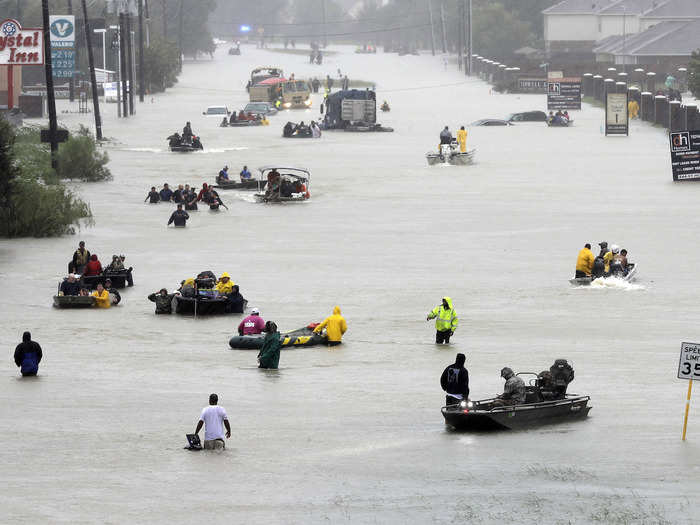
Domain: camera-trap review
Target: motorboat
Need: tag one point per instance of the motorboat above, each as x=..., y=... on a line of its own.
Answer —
x=629, y=276
x=546, y=402
x=304, y=336
x=283, y=184
x=179, y=144
x=450, y=154
x=120, y=279
x=250, y=184
x=73, y=301
x=560, y=123
x=242, y=123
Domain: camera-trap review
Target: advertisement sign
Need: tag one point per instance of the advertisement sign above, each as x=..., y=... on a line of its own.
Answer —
x=685, y=155
x=532, y=85
x=20, y=46
x=616, y=115
x=689, y=362
x=62, y=32
x=564, y=93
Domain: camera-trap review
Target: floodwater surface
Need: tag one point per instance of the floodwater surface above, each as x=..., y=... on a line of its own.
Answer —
x=354, y=434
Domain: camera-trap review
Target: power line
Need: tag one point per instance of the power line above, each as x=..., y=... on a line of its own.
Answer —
x=297, y=24
x=349, y=33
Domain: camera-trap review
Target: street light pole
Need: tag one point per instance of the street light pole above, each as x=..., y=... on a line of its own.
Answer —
x=93, y=80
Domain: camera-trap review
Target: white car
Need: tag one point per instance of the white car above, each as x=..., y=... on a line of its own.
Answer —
x=216, y=111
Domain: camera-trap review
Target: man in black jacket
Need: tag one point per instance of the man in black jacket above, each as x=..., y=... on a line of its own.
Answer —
x=455, y=381
x=28, y=355
x=179, y=217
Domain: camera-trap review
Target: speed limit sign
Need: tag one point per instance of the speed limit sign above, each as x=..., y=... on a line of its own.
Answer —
x=689, y=363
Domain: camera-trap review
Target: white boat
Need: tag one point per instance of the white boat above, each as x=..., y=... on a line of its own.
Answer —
x=628, y=277
x=450, y=154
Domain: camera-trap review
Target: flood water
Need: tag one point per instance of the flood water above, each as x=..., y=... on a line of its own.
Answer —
x=354, y=434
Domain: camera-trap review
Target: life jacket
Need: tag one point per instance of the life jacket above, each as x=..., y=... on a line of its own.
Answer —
x=81, y=258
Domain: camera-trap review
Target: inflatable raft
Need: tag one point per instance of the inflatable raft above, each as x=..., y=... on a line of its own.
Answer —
x=301, y=337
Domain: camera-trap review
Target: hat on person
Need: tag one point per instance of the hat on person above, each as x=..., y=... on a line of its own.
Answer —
x=255, y=311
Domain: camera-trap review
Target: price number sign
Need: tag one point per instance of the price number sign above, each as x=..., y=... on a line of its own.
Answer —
x=689, y=363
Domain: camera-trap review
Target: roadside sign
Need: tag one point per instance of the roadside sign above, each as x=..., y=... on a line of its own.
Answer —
x=616, y=114
x=564, y=93
x=689, y=362
x=685, y=155
x=21, y=46
x=62, y=32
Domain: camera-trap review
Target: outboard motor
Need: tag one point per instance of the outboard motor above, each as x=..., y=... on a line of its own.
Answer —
x=445, y=152
x=562, y=374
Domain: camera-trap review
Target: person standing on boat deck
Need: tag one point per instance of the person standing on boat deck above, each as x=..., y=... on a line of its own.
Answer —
x=455, y=381
x=153, y=196
x=446, y=136
x=28, y=355
x=335, y=326
x=513, y=390
x=179, y=217
x=584, y=262
x=462, y=139
x=446, y=321
x=81, y=256
x=253, y=324
x=213, y=418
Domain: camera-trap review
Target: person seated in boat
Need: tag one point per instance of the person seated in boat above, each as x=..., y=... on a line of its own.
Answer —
x=301, y=129
x=187, y=133
x=286, y=188
x=166, y=194
x=196, y=142
x=455, y=381
x=153, y=196
x=224, y=285
x=174, y=140
x=607, y=259
x=223, y=174
x=598, y=263
x=616, y=268
x=81, y=256
x=253, y=324
x=101, y=296
x=385, y=106
x=114, y=295
x=224, y=123
x=70, y=286
x=116, y=265
x=288, y=130
x=93, y=267
x=584, y=262
x=513, y=390
x=446, y=136
x=623, y=261
x=565, y=116
x=273, y=183
x=550, y=117
x=84, y=292
x=163, y=300
x=245, y=174
x=187, y=287
x=236, y=302
x=242, y=116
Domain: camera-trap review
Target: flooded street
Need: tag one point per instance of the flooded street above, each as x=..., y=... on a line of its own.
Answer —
x=354, y=433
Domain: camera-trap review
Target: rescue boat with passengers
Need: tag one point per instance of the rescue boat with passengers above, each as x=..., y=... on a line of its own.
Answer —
x=283, y=184
x=304, y=336
x=450, y=154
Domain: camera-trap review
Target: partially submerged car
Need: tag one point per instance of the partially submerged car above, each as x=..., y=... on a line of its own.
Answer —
x=528, y=116
x=491, y=122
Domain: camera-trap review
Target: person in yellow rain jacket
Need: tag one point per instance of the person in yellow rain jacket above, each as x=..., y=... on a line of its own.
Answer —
x=225, y=284
x=462, y=139
x=633, y=108
x=445, y=320
x=335, y=326
x=584, y=262
x=101, y=297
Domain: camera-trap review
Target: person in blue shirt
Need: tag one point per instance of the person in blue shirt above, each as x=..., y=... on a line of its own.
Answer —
x=166, y=193
x=245, y=174
x=223, y=174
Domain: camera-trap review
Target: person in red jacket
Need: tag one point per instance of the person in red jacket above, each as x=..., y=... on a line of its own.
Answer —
x=203, y=192
x=94, y=266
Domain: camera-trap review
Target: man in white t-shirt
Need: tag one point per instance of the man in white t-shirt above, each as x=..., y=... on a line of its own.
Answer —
x=212, y=417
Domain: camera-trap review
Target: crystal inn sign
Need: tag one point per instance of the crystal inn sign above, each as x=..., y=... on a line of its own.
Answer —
x=20, y=46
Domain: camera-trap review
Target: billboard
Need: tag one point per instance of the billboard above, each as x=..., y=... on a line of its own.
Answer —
x=62, y=33
x=563, y=93
x=685, y=154
x=20, y=46
x=616, y=115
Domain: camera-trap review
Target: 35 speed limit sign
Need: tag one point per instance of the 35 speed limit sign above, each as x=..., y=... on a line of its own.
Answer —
x=689, y=363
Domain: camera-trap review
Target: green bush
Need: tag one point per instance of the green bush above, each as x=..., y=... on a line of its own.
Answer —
x=78, y=158
x=161, y=65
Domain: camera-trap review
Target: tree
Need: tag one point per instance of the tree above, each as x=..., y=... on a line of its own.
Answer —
x=8, y=169
x=694, y=74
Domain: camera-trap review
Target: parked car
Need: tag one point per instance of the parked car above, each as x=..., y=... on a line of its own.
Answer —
x=216, y=111
x=528, y=116
x=491, y=122
x=260, y=108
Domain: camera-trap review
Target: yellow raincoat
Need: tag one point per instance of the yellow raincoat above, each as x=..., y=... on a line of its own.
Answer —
x=102, y=299
x=445, y=319
x=335, y=326
x=462, y=139
x=224, y=288
x=584, y=263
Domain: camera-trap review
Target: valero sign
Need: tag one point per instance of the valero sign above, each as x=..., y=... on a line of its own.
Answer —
x=20, y=46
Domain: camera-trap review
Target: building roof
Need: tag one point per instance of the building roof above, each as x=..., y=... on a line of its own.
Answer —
x=674, y=9
x=579, y=7
x=629, y=7
x=677, y=38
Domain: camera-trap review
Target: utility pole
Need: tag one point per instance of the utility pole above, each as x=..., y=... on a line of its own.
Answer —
x=460, y=35
x=53, y=125
x=93, y=81
x=325, y=29
x=148, y=25
x=122, y=62
x=164, y=7
x=181, y=30
x=130, y=62
x=470, y=50
x=71, y=80
x=442, y=19
x=432, y=27
x=141, y=85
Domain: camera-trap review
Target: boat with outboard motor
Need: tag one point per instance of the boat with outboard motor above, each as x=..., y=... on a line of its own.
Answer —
x=450, y=154
x=627, y=275
x=304, y=336
x=546, y=402
x=203, y=299
x=73, y=301
x=120, y=279
x=560, y=123
x=248, y=184
x=181, y=145
x=283, y=184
